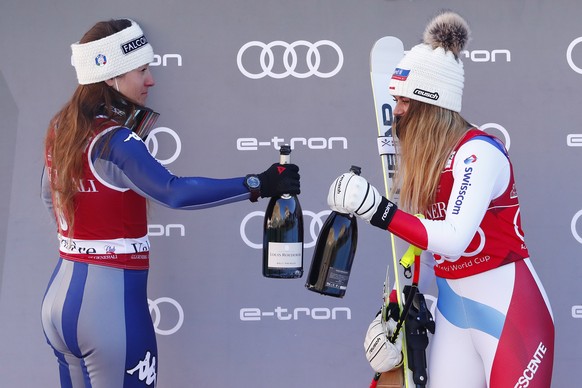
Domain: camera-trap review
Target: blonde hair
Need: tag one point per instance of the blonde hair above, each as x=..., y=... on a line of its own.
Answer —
x=427, y=135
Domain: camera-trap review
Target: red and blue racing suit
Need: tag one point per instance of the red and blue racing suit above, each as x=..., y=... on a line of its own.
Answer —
x=95, y=311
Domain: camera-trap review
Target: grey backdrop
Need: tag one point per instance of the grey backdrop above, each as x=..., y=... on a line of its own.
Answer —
x=220, y=323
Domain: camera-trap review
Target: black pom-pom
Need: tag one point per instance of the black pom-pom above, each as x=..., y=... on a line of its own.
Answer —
x=449, y=31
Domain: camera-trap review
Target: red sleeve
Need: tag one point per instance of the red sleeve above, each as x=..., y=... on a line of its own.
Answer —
x=409, y=228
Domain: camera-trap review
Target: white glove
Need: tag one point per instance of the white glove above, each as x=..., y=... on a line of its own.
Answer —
x=352, y=194
x=380, y=352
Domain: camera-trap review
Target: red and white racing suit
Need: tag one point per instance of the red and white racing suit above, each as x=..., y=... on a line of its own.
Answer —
x=494, y=324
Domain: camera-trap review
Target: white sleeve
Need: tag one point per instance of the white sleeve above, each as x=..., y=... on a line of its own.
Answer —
x=481, y=173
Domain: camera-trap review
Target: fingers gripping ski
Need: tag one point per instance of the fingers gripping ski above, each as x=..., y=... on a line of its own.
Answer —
x=382, y=354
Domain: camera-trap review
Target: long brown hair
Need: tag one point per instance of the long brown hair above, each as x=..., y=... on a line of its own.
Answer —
x=427, y=135
x=71, y=128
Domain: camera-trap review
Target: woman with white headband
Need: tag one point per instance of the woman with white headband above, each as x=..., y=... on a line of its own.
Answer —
x=494, y=324
x=97, y=179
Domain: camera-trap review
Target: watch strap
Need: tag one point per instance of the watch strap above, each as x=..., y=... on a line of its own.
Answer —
x=255, y=191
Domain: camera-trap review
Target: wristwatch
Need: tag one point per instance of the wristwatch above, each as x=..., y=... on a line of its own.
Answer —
x=253, y=183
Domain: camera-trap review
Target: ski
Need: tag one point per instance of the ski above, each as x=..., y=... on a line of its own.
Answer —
x=384, y=57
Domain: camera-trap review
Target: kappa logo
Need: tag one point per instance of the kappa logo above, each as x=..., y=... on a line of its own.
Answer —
x=146, y=369
x=132, y=135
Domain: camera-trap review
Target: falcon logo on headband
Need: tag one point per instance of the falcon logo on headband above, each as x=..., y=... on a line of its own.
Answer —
x=134, y=44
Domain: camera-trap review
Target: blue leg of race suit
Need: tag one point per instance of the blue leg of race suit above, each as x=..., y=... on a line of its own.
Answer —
x=100, y=339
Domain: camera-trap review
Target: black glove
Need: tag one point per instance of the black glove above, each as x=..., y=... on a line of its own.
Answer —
x=280, y=179
x=392, y=311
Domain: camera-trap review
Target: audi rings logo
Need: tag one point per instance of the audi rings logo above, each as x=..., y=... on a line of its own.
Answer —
x=569, y=55
x=153, y=144
x=167, y=315
x=314, y=65
x=573, y=226
x=317, y=220
x=506, y=138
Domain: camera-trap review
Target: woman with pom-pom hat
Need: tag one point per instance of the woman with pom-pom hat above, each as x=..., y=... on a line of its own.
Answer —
x=494, y=324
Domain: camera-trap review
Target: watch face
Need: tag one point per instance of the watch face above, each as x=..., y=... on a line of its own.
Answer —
x=253, y=182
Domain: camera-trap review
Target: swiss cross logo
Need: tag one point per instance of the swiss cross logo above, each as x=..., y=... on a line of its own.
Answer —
x=280, y=169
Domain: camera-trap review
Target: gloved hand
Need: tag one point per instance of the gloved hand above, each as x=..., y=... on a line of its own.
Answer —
x=380, y=352
x=280, y=179
x=392, y=311
x=352, y=194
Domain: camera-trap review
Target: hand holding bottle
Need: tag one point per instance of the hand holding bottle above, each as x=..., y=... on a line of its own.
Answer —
x=280, y=179
x=352, y=194
x=283, y=223
x=334, y=251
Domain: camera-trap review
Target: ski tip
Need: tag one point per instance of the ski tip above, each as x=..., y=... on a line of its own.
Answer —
x=385, y=54
x=388, y=41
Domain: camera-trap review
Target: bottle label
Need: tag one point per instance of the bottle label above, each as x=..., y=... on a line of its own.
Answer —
x=337, y=278
x=285, y=255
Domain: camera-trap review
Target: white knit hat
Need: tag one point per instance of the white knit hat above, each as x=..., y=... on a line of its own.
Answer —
x=111, y=56
x=431, y=72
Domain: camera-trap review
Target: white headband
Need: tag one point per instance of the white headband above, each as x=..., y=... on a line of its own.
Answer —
x=111, y=56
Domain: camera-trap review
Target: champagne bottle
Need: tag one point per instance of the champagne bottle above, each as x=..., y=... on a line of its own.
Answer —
x=334, y=253
x=283, y=233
